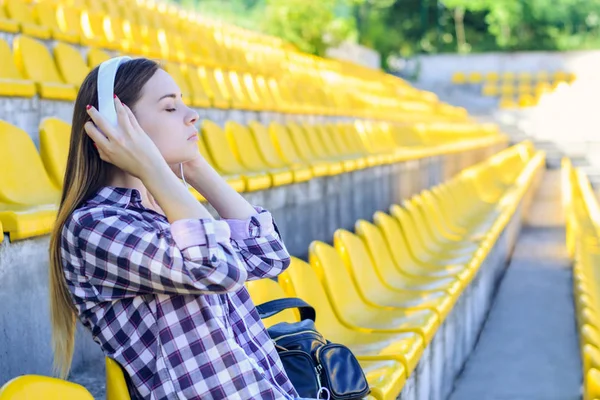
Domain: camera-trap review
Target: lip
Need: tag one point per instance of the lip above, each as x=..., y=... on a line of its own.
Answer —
x=194, y=136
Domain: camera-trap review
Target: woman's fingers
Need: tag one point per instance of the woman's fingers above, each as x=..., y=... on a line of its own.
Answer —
x=101, y=123
x=132, y=119
x=95, y=134
x=122, y=117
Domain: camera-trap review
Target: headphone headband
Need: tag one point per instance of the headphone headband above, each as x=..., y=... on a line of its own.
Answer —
x=106, y=87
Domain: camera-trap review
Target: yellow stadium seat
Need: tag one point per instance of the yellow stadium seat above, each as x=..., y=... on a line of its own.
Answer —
x=70, y=20
x=323, y=147
x=490, y=89
x=116, y=385
x=399, y=276
x=36, y=63
x=200, y=97
x=55, y=138
x=336, y=133
x=298, y=136
x=475, y=77
x=93, y=25
x=508, y=77
x=559, y=76
x=46, y=14
x=11, y=79
x=386, y=377
x=42, y=387
x=299, y=280
x=28, y=199
x=507, y=102
x=370, y=284
x=215, y=88
x=592, y=384
x=244, y=147
x=524, y=77
x=176, y=73
x=264, y=92
x=492, y=77
x=542, y=76
x=270, y=155
x=21, y=12
x=235, y=181
x=405, y=259
x=357, y=314
x=526, y=100
x=459, y=78
x=71, y=65
x=224, y=158
x=96, y=57
x=6, y=24
x=240, y=98
x=289, y=153
x=507, y=89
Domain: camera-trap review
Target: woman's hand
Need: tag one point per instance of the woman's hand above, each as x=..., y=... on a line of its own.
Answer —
x=126, y=146
x=190, y=168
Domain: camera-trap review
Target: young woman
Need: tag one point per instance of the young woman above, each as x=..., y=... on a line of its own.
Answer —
x=141, y=263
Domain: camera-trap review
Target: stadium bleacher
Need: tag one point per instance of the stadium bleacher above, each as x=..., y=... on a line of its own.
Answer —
x=583, y=229
x=326, y=145
x=515, y=89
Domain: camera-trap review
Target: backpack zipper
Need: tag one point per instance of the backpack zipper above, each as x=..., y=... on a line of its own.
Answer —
x=293, y=334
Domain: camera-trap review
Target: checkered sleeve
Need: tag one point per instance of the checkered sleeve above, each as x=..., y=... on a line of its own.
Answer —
x=260, y=245
x=126, y=256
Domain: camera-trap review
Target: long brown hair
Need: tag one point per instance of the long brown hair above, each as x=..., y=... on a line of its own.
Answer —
x=85, y=174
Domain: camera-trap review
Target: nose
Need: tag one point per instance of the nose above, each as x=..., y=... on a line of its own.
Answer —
x=192, y=117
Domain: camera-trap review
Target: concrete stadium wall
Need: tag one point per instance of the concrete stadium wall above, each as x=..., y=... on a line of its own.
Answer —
x=322, y=204
x=440, y=67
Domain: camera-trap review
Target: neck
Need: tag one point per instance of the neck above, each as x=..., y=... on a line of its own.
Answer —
x=123, y=179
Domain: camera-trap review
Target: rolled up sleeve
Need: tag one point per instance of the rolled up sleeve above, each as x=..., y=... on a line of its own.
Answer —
x=259, y=244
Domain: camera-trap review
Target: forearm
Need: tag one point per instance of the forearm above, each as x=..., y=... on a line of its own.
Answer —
x=174, y=198
x=228, y=203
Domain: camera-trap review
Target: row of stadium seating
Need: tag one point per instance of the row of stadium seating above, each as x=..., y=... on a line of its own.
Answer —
x=391, y=290
x=57, y=75
x=511, y=78
x=583, y=233
x=251, y=158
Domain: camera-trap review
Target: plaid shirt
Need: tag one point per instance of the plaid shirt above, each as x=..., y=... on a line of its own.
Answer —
x=168, y=302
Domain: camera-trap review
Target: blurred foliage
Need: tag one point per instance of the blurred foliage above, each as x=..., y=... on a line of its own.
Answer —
x=402, y=28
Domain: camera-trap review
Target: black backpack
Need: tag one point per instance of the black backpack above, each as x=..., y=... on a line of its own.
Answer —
x=315, y=366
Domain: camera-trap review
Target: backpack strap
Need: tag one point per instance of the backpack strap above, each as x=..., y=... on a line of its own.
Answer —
x=273, y=307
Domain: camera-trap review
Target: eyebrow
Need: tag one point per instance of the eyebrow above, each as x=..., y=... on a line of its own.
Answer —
x=171, y=95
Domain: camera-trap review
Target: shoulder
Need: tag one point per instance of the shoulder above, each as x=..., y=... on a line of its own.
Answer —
x=102, y=217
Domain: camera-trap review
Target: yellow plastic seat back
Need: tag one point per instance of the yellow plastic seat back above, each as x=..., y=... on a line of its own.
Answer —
x=300, y=140
x=300, y=280
x=55, y=137
x=219, y=149
x=393, y=235
x=29, y=387
x=23, y=179
x=71, y=65
x=35, y=60
x=116, y=385
x=265, y=145
x=314, y=140
x=336, y=281
x=241, y=141
x=8, y=70
x=96, y=57
x=264, y=290
x=20, y=11
x=283, y=142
